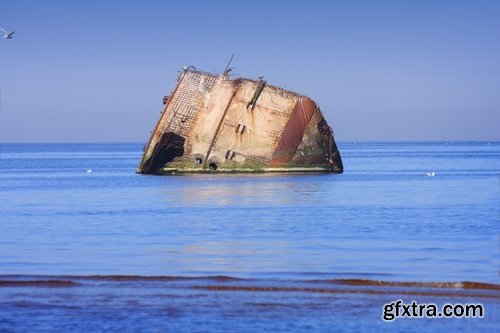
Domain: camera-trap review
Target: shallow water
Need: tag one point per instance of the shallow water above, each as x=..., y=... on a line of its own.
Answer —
x=383, y=219
x=224, y=304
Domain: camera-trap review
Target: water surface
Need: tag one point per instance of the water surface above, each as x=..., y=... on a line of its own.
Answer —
x=384, y=219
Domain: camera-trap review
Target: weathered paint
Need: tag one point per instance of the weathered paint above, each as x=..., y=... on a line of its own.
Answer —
x=215, y=123
x=294, y=131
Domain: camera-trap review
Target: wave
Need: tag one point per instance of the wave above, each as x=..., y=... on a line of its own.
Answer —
x=221, y=283
x=448, y=285
x=38, y=283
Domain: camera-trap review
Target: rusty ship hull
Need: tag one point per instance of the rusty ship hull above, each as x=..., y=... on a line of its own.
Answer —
x=214, y=123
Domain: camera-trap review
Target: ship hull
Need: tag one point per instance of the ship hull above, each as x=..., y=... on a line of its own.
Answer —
x=212, y=123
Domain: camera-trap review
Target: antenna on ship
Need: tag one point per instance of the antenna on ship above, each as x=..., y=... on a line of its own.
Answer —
x=227, y=69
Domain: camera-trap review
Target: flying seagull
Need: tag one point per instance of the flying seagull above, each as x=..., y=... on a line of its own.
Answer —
x=6, y=34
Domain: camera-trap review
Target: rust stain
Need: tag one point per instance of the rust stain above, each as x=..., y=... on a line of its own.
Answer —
x=265, y=129
x=294, y=131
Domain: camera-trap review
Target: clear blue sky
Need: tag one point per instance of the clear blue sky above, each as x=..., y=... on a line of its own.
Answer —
x=88, y=70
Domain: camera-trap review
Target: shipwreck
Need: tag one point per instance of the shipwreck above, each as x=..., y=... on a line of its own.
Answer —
x=216, y=123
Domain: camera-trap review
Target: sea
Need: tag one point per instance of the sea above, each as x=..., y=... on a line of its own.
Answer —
x=88, y=245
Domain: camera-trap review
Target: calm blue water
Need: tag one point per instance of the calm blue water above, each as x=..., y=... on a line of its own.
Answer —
x=383, y=219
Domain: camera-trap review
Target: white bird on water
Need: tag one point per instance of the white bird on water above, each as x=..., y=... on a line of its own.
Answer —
x=6, y=34
x=431, y=174
x=89, y=171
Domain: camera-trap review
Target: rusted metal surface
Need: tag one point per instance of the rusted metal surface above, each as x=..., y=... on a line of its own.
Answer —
x=294, y=131
x=215, y=123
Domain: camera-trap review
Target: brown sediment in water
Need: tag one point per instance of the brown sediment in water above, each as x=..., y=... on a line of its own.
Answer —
x=38, y=283
x=411, y=292
x=233, y=284
x=449, y=285
x=133, y=278
x=70, y=280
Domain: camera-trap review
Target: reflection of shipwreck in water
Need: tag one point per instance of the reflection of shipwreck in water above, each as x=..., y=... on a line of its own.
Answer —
x=215, y=123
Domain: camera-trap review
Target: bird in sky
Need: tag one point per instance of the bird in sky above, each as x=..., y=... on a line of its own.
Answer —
x=6, y=34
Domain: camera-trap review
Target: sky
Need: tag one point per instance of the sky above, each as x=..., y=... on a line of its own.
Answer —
x=96, y=71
